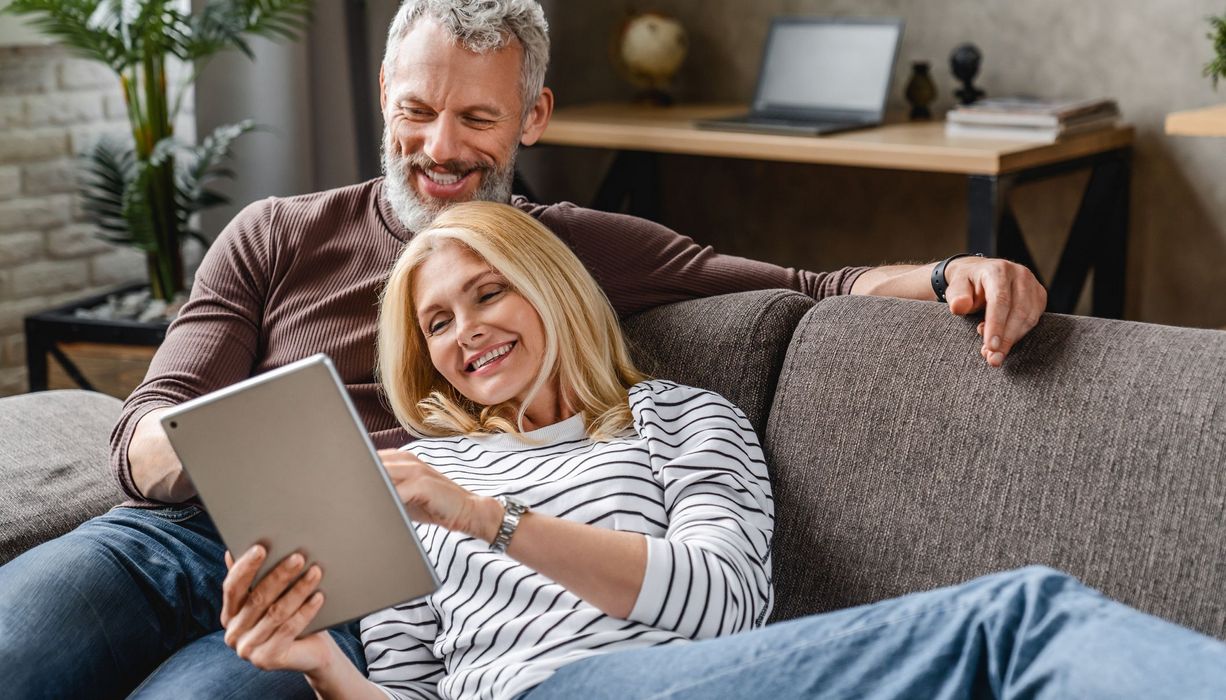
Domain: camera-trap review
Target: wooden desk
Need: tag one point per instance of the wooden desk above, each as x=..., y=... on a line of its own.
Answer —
x=1209, y=121
x=1098, y=238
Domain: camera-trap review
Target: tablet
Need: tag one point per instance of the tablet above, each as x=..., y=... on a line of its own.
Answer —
x=283, y=460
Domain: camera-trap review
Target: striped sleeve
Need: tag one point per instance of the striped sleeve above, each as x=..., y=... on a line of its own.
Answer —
x=399, y=645
x=710, y=574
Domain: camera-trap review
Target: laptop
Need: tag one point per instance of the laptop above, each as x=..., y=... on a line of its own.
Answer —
x=821, y=75
x=283, y=459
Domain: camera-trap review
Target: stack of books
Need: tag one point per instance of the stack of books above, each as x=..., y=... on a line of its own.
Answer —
x=1030, y=119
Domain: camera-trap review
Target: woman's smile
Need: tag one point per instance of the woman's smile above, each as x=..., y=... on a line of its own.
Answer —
x=489, y=360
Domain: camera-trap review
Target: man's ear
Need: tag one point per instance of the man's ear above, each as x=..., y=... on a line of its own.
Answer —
x=538, y=118
x=382, y=91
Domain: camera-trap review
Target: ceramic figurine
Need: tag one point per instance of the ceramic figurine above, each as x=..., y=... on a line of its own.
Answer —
x=964, y=64
x=921, y=91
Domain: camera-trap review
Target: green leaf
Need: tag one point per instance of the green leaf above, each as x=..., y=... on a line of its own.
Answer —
x=204, y=163
x=1216, y=69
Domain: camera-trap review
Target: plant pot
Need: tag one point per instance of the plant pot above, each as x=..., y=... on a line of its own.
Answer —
x=110, y=356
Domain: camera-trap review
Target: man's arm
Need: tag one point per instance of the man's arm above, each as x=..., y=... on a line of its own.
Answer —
x=641, y=264
x=212, y=344
x=153, y=464
x=1009, y=295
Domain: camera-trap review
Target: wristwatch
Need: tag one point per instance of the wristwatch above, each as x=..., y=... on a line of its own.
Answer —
x=512, y=510
x=939, y=283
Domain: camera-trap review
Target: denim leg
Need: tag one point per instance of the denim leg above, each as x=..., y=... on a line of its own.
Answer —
x=1031, y=633
x=91, y=613
x=207, y=669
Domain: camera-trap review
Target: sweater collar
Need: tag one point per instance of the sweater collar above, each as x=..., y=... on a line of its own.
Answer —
x=387, y=215
x=383, y=209
x=563, y=431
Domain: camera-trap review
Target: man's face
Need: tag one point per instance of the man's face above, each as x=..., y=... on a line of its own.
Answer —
x=453, y=121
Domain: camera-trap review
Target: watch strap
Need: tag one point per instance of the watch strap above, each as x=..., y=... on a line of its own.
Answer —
x=939, y=284
x=512, y=510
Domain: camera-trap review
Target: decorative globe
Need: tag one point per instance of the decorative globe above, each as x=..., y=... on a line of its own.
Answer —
x=649, y=50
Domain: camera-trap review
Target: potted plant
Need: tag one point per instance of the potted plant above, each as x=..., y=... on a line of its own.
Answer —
x=145, y=193
x=1216, y=68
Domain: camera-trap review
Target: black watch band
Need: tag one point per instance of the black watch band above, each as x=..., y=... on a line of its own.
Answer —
x=939, y=283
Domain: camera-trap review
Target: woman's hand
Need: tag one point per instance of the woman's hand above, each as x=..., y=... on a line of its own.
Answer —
x=263, y=623
x=435, y=499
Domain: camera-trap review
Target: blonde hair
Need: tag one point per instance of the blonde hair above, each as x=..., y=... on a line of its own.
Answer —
x=585, y=351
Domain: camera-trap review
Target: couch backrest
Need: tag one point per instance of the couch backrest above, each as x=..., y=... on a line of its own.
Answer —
x=732, y=344
x=902, y=462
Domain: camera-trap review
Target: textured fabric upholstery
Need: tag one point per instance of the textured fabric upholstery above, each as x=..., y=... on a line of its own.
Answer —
x=902, y=462
x=53, y=465
x=732, y=344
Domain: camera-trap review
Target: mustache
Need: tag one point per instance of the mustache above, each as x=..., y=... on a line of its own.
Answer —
x=454, y=167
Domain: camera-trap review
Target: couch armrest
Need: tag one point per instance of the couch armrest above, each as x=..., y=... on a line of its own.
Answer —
x=53, y=465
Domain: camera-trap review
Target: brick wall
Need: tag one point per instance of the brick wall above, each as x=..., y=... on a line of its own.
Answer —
x=53, y=106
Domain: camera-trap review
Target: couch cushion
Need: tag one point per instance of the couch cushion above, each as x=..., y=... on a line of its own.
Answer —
x=53, y=465
x=732, y=344
x=902, y=462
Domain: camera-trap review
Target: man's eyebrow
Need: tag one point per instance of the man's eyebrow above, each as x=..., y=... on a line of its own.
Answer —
x=413, y=97
x=472, y=281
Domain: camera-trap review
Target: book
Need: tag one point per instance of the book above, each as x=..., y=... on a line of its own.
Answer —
x=1032, y=134
x=1026, y=111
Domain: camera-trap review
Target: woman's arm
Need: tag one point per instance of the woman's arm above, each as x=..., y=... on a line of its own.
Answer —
x=603, y=567
x=720, y=521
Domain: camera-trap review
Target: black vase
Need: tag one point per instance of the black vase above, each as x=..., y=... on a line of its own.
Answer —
x=921, y=91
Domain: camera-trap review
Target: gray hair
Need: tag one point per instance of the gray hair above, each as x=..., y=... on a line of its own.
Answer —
x=482, y=26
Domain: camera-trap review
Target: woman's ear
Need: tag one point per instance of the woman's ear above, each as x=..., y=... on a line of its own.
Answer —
x=538, y=118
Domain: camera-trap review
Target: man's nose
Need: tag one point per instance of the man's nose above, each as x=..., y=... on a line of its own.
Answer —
x=442, y=143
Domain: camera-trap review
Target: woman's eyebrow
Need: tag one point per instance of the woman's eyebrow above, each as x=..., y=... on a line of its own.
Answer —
x=472, y=281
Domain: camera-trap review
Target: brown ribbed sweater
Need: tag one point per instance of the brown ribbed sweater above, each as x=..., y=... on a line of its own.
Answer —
x=291, y=277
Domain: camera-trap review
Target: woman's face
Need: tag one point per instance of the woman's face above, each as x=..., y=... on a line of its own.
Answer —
x=484, y=337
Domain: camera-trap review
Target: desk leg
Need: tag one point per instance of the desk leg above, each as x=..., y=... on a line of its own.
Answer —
x=991, y=227
x=1110, y=260
x=631, y=185
x=36, y=358
x=1098, y=240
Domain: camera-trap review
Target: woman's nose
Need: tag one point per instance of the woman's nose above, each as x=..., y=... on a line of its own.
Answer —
x=469, y=330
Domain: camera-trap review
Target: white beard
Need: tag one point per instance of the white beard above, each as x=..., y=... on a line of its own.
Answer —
x=416, y=212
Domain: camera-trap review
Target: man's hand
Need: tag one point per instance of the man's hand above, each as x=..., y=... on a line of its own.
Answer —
x=1009, y=295
x=155, y=467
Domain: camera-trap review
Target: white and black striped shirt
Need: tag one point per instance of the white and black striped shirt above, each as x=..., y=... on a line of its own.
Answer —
x=691, y=478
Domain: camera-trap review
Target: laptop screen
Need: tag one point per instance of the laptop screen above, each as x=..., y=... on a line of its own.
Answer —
x=829, y=65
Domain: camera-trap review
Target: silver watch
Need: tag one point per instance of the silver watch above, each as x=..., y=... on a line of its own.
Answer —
x=512, y=510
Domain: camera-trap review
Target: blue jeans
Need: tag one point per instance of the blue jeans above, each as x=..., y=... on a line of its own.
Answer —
x=130, y=598
x=1032, y=633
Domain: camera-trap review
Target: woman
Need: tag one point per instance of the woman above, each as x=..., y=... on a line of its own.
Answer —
x=601, y=534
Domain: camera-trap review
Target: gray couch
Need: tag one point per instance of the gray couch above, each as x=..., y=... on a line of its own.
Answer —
x=900, y=460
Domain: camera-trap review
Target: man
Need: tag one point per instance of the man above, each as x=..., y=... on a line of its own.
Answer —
x=133, y=597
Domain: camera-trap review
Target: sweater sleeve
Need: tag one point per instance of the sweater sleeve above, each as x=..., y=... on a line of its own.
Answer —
x=710, y=575
x=215, y=339
x=399, y=650
x=641, y=264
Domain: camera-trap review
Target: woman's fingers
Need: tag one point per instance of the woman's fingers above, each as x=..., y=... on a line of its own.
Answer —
x=261, y=597
x=238, y=580
x=285, y=609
